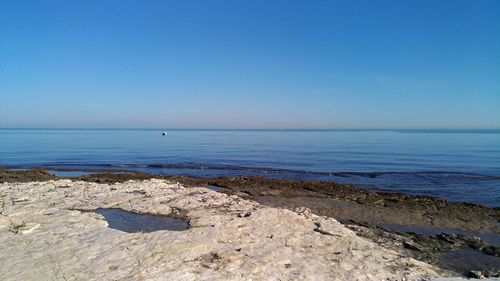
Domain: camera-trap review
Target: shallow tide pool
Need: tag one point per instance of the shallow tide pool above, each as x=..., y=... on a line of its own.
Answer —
x=133, y=222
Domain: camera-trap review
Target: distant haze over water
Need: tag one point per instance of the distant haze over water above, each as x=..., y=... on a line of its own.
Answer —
x=458, y=165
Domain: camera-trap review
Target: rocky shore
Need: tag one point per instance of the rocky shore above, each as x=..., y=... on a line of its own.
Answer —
x=457, y=239
x=50, y=231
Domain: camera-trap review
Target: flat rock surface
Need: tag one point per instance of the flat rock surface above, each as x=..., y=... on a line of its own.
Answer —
x=48, y=231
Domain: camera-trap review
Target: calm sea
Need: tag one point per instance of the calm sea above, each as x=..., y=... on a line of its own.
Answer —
x=458, y=165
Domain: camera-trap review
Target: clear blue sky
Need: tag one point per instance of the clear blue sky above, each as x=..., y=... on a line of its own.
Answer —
x=250, y=64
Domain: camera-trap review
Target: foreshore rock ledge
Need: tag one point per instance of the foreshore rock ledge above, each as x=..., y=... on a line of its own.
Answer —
x=48, y=231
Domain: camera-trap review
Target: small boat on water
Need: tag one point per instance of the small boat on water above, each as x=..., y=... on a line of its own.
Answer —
x=164, y=133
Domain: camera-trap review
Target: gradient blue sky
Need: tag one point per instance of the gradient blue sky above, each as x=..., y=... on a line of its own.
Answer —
x=250, y=64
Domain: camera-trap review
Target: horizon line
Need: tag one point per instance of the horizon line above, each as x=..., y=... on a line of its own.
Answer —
x=244, y=129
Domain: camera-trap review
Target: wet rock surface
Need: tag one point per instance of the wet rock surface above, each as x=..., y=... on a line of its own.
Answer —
x=49, y=230
x=457, y=253
x=25, y=175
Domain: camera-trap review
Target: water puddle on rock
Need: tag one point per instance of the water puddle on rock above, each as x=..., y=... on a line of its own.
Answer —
x=214, y=188
x=133, y=222
x=464, y=260
x=69, y=173
x=78, y=173
x=492, y=238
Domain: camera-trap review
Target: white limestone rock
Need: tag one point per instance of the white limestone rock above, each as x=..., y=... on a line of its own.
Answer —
x=48, y=232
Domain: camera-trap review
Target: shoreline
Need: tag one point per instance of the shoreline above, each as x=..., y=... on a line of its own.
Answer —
x=454, y=186
x=383, y=218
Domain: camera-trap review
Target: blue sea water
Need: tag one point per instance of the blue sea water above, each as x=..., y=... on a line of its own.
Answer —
x=458, y=165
